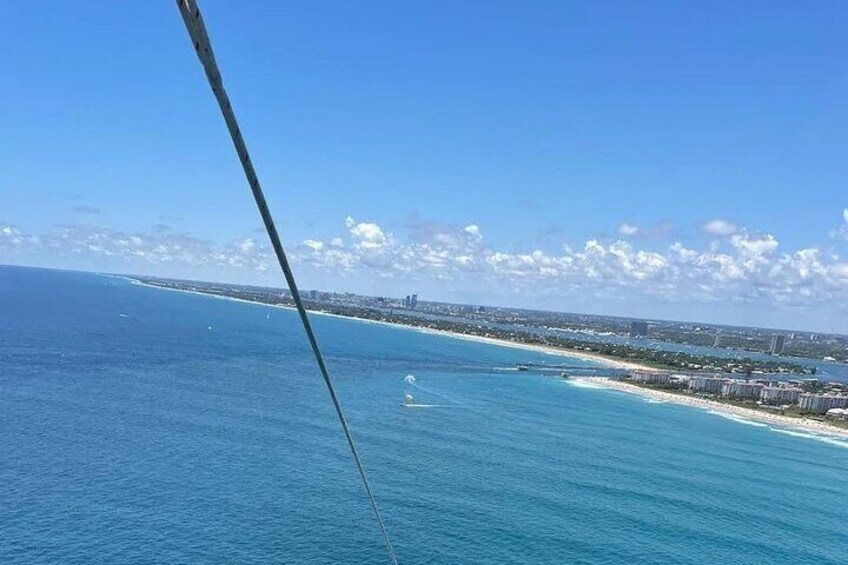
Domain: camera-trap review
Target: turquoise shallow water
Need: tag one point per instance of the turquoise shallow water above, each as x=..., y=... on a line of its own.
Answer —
x=131, y=432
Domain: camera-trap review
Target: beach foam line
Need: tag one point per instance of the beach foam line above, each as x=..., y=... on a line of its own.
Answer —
x=825, y=439
x=738, y=419
x=817, y=431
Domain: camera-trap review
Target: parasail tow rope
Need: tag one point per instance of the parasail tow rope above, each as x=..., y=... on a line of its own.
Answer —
x=202, y=46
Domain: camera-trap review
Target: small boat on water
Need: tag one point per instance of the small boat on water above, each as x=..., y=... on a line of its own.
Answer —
x=564, y=375
x=522, y=367
x=408, y=400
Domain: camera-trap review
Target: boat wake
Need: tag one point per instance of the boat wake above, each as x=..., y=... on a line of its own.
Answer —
x=410, y=380
x=430, y=405
x=409, y=401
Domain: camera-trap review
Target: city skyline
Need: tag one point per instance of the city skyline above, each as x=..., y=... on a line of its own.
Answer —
x=609, y=160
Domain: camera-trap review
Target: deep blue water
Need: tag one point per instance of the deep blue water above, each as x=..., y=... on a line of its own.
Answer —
x=196, y=430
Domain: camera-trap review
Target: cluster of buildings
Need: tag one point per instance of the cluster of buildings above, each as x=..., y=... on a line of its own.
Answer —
x=783, y=394
x=774, y=343
x=349, y=299
x=777, y=342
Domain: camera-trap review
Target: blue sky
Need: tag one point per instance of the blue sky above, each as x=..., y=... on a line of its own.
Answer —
x=655, y=159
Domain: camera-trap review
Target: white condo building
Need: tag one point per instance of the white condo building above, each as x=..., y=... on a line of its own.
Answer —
x=780, y=395
x=706, y=384
x=741, y=389
x=821, y=403
x=650, y=377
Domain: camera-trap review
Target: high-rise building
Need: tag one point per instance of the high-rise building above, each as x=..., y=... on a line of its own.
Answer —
x=410, y=301
x=717, y=340
x=778, y=341
x=638, y=329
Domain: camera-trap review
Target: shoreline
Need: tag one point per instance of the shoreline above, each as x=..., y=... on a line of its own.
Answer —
x=722, y=409
x=584, y=356
x=728, y=410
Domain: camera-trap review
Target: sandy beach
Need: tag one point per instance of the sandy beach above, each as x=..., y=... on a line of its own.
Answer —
x=806, y=424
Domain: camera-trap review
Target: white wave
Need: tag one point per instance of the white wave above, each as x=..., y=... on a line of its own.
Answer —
x=826, y=439
x=584, y=384
x=738, y=419
x=655, y=401
x=794, y=433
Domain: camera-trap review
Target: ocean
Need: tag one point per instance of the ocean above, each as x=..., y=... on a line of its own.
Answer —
x=140, y=425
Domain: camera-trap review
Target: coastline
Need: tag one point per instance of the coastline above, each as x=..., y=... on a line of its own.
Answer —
x=720, y=408
x=585, y=356
x=822, y=429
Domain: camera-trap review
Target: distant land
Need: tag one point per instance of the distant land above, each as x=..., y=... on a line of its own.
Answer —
x=680, y=346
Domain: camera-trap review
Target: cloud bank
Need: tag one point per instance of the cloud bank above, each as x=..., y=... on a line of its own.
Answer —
x=734, y=265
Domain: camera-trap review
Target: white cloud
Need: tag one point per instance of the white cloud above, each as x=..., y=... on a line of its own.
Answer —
x=744, y=267
x=473, y=232
x=626, y=229
x=313, y=244
x=754, y=245
x=134, y=249
x=368, y=236
x=841, y=231
x=752, y=269
x=720, y=227
x=659, y=230
x=246, y=245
